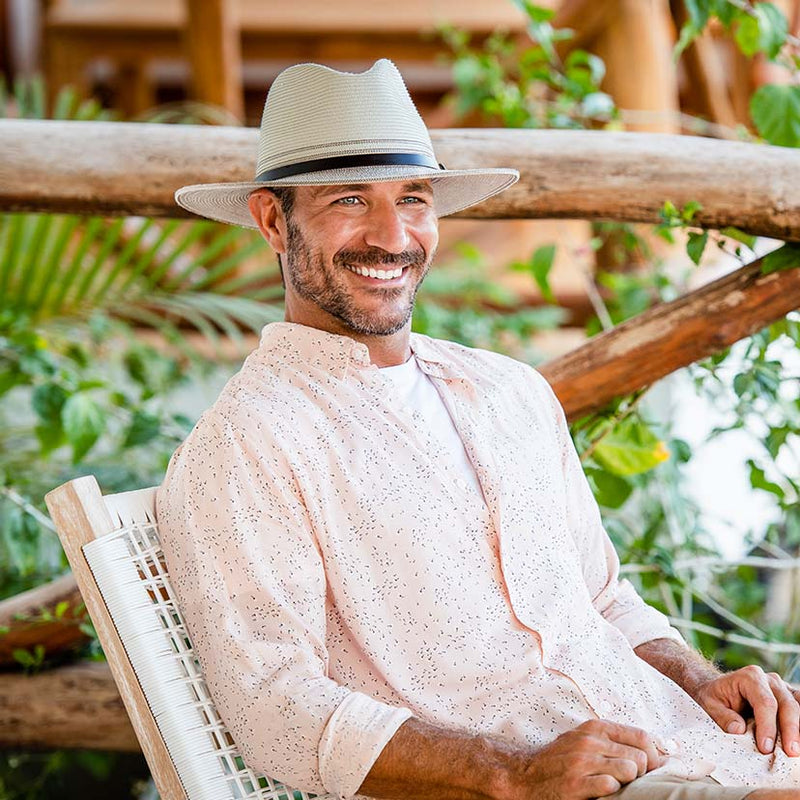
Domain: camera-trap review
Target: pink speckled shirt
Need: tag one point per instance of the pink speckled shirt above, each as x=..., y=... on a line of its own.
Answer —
x=337, y=574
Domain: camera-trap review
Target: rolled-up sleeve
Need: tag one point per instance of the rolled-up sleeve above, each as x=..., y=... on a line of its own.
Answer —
x=615, y=599
x=251, y=585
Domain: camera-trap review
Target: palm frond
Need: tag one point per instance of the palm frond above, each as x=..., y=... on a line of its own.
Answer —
x=161, y=274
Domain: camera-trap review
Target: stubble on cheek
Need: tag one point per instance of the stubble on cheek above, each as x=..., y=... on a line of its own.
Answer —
x=311, y=280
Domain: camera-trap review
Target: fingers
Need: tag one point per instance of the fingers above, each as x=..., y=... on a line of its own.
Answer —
x=788, y=714
x=775, y=708
x=725, y=717
x=601, y=785
x=639, y=741
x=756, y=689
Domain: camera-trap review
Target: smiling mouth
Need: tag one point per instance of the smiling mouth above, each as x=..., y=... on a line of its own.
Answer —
x=380, y=274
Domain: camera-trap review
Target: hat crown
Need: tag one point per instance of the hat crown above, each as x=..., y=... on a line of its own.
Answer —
x=315, y=112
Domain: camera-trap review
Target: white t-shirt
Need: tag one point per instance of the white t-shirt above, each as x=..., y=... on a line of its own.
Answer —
x=416, y=391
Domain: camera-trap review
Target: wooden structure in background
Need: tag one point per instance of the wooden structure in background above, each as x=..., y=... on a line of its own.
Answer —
x=135, y=36
x=214, y=49
x=73, y=706
x=636, y=45
x=89, y=168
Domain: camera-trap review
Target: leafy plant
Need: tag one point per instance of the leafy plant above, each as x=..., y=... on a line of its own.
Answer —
x=530, y=86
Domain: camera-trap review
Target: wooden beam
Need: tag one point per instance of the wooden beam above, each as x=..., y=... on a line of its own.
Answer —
x=128, y=168
x=215, y=54
x=636, y=46
x=585, y=18
x=77, y=706
x=22, y=615
x=669, y=336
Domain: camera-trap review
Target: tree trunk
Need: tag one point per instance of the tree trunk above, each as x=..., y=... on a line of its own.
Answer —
x=73, y=707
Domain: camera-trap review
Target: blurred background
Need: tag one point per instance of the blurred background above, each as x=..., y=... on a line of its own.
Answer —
x=115, y=334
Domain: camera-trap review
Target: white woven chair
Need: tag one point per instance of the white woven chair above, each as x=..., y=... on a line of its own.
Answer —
x=113, y=548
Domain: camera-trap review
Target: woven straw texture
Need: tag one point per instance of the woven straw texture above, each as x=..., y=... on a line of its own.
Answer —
x=315, y=112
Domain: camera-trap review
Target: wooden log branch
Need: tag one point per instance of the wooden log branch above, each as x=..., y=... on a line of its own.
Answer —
x=130, y=168
x=77, y=706
x=29, y=619
x=669, y=336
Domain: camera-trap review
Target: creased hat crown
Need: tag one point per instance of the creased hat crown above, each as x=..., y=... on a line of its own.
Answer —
x=315, y=112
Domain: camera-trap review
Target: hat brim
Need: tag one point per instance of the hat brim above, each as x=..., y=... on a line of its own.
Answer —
x=453, y=190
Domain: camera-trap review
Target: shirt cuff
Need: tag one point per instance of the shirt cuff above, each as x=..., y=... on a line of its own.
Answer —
x=354, y=737
x=636, y=620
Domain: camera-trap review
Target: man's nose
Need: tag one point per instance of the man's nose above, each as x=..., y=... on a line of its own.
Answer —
x=386, y=229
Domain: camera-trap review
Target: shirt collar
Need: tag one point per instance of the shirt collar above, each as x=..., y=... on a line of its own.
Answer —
x=295, y=344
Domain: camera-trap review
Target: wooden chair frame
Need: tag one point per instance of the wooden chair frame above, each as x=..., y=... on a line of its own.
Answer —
x=112, y=546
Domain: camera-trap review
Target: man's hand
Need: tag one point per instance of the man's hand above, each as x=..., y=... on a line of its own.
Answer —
x=773, y=702
x=594, y=760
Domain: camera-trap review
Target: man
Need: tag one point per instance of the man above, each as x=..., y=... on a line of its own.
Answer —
x=388, y=558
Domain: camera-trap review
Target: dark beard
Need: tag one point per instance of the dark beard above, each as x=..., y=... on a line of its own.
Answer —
x=303, y=265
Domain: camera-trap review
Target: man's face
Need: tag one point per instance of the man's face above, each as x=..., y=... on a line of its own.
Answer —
x=357, y=254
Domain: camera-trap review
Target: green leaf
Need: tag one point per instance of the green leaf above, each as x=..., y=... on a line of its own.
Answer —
x=690, y=209
x=48, y=399
x=699, y=12
x=765, y=31
x=631, y=448
x=609, y=490
x=786, y=257
x=84, y=420
x=61, y=609
x=143, y=428
x=775, y=439
x=23, y=657
x=595, y=65
x=747, y=35
x=681, y=450
x=746, y=239
x=540, y=264
x=50, y=436
x=758, y=480
x=668, y=212
x=696, y=245
x=775, y=110
x=742, y=383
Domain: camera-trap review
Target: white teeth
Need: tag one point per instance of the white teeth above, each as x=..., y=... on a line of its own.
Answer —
x=381, y=274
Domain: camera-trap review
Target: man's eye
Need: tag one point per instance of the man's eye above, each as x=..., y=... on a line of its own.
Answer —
x=411, y=200
x=348, y=201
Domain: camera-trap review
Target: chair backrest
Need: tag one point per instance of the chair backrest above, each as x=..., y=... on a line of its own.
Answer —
x=113, y=548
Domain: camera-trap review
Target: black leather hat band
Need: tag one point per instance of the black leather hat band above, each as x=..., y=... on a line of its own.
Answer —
x=341, y=162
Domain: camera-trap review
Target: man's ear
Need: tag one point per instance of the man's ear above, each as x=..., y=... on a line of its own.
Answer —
x=266, y=210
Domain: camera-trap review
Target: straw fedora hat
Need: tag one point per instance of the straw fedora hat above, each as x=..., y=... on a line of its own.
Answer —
x=324, y=127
